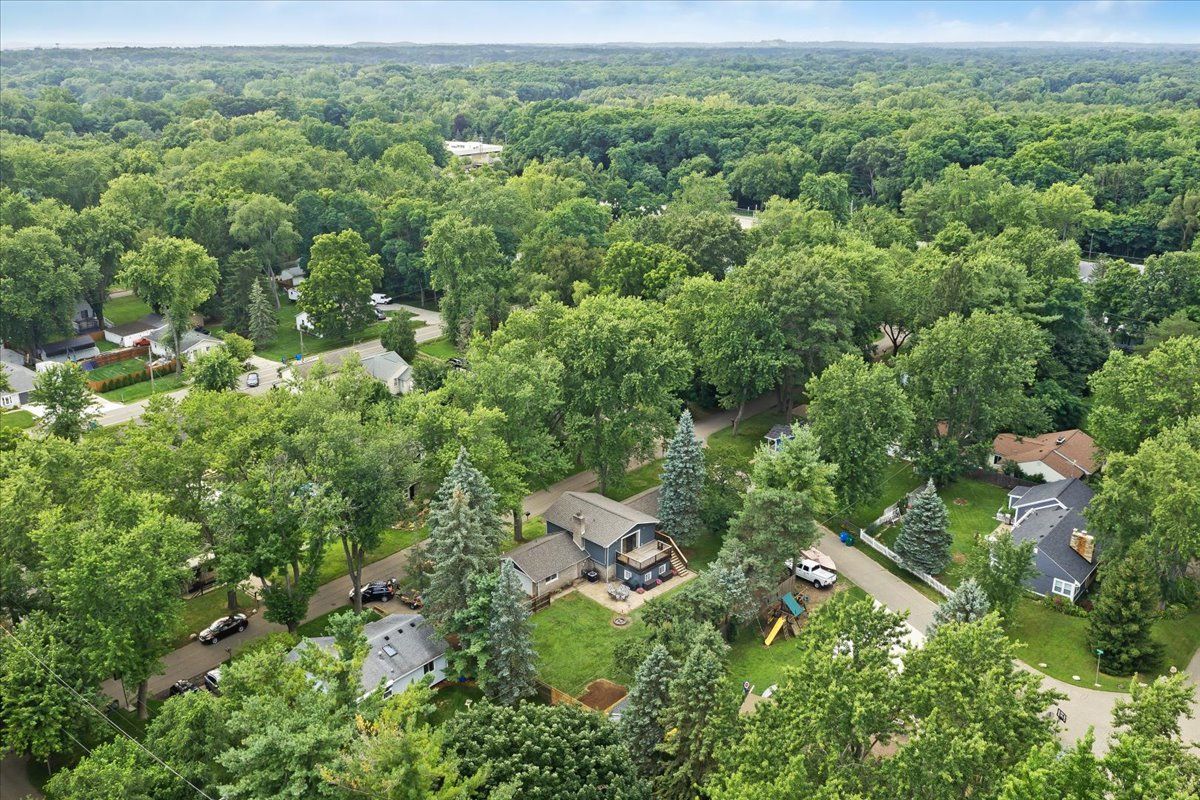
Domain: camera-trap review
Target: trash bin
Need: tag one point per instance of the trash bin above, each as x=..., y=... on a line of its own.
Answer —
x=846, y=538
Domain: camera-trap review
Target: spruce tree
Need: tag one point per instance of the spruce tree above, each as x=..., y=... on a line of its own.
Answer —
x=1123, y=618
x=641, y=723
x=465, y=533
x=698, y=716
x=511, y=666
x=263, y=323
x=924, y=541
x=968, y=604
x=682, y=483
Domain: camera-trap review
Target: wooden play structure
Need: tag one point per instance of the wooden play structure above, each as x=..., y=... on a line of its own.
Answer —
x=789, y=615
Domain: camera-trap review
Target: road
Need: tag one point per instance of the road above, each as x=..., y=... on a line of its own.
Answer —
x=1085, y=708
x=269, y=371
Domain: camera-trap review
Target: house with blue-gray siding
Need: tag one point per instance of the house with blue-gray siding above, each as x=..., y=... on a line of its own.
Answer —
x=1051, y=516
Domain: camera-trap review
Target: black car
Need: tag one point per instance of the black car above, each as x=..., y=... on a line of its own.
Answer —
x=377, y=590
x=182, y=687
x=225, y=626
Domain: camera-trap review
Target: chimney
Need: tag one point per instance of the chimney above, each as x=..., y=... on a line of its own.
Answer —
x=1061, y=440
x=1084, y=544
x=580, y=527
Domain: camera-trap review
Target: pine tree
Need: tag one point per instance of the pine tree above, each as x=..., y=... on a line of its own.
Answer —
x=511, y=661
x=968, y=604
x=263, y=324
x=924, y=541
x=1122, y=620
x=698, y=715
x=682, y=483
x=464, y=539
x=641, y=724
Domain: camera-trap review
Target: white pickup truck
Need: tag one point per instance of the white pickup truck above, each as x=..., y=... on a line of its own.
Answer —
x=814, y=573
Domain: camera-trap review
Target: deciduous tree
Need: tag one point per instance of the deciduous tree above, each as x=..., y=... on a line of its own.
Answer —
x=337, y=292
x=63, y=392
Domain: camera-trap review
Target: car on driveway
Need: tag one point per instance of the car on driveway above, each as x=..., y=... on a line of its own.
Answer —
x=182, y=687
x=380, y=299
x=225, y=626
x=815, y=574
x=377, y=590
x=212, y=680
x=252, y=380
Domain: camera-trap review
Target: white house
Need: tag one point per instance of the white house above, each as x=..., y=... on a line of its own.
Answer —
x=20, y=381
x=392, y=370
x=475, y=153
x=305, y=326
x=404, y=648
x=191, y=344
x=129, y=333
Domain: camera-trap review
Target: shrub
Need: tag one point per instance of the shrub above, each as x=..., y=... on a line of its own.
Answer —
x=1064, y=606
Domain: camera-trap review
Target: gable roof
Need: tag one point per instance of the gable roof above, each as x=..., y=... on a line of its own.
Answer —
x=413, y=641
x=1071, y=492
x=1050, y=531
x=778, y=432
x=604, y=520
x=1074, y=456
x=19, y=377
x=546, y=556
x=186, y=342
x=386, y=365
x=149, y=322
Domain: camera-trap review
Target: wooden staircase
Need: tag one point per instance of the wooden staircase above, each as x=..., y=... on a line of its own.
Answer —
x=678, y=560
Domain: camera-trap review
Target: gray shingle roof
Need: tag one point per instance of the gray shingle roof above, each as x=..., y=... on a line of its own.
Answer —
x=546, y=556
x=413, y=640
x=385, y=366
x=21, y=378
x=149, y=322
x=1072, y=492
x=186, y=342
x=74, y=344
x=1050, y=531
x=604, y=520
x=778, y=432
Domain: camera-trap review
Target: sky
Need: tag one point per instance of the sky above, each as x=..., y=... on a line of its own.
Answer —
x=25, y=23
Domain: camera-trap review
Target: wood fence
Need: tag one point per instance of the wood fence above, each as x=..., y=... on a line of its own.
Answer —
x=113, y=356
x=552, y=696
x=895, y=557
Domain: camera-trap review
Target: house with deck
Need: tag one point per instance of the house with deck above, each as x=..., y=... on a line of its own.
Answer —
x=1051, y=516
x=620, y=540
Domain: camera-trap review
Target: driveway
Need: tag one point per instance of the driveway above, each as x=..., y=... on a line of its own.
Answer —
x=1084, y=707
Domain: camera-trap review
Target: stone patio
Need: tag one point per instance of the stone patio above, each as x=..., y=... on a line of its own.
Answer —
x=598, y=591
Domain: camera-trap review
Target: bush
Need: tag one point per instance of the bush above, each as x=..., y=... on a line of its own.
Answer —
x=1064, y=606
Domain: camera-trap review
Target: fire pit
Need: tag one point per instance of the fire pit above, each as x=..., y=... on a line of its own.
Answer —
x=620, y=622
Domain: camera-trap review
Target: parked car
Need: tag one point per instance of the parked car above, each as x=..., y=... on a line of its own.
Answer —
x=225, y=626
x=379, y=315
x=252, y=380
x=181, y=687
x=380, y=299
x=377, y=590
x=815, y=574
x=212, y=680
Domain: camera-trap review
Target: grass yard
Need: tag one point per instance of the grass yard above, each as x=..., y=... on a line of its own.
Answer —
x=200, y=612
x=333, y=564
x=140, y=391
x=286, y=342
x=576, y=643
x=121, y=310
x=750, y=435
x=636, y=480
x=899, y=480
x=441, y=348
x=702, y=551
x=451, y=698
x=318, y=626
x=534, y=528
x=19, y=419
x=1060, y=642
x=117, y=368
x=104, y=345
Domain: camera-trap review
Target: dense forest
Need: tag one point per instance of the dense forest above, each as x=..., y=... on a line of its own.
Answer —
x=888, y=237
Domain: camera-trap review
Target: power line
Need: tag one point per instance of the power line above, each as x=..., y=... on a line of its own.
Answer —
x=102, y=716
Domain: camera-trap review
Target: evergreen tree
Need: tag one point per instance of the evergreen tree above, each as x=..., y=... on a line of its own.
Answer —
x=968, y=604
x=262, y=323
x=641, y=724
x=511, y=661
x=682, y=483
x=1122, y=621
x=464, y=538
x=924, y=541
x=238, y=279
x=699, y=713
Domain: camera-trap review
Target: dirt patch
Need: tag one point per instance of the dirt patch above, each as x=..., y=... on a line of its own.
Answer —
x=602, y=693
x=959, y=558
x=961, y=501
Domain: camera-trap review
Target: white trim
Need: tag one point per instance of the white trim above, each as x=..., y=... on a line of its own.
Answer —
x=550, y=579
x=1066, y=589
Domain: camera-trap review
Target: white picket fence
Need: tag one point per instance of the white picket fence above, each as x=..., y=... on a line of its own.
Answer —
x=880, y=547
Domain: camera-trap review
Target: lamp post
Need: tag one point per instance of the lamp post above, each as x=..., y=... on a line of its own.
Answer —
x=1098, y=654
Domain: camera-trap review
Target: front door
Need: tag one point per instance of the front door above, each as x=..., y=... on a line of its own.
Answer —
x=629, y=543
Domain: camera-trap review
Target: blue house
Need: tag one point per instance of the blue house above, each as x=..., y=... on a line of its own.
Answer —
x=619, y=540
x=1051, y=516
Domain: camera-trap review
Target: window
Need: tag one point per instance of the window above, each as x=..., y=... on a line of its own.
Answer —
x=662, y=569
x=627, y=574
x=997, y=459
x=551, y=578
x=1064, y=588
x=428, y=668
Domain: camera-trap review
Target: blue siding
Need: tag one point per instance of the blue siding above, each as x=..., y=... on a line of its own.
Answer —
x=598, y=554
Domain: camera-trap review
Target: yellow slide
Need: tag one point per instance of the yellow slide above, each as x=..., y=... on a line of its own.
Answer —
x=774, y=631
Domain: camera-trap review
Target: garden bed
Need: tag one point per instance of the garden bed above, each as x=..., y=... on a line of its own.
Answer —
x=602, y=693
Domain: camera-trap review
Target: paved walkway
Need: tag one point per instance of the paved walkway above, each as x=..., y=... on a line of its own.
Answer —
x=14, y=780
x=1084, y=707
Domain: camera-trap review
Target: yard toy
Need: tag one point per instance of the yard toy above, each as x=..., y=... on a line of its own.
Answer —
x=775, y=631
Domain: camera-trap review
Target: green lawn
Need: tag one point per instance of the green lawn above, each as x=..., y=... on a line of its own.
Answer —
x=636, y=480
x=534, y=528
x=899, y=480
x=20, y=419
x=576, y=643
x=750, y=435
x=117, y=368
x=286, y=342
x=317, y=626
x=441, y=348
x=140, y=391
x=1061, y=643
x=450, y=698
x=199, y=612
x=333, y=564
x=104, y=345
x=701, y=552
x=120, y=310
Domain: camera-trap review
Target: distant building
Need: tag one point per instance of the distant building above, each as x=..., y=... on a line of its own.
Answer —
x=475, y=153
x=77, y=348
x=130, y=333
x=20, y=381
x=191, y=344
x=1053, y=456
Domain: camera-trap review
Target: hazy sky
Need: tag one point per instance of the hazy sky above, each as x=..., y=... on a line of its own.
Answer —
x=81, y=22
